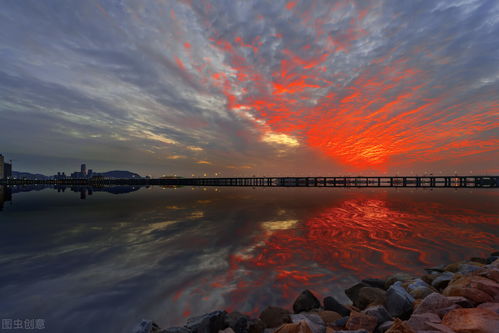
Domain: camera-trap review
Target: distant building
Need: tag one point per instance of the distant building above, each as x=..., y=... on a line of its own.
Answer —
x=83, y=170
x=2, y=176
x=90, y=173
x=7, y=170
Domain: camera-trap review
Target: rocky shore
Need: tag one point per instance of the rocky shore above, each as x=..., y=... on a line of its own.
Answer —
x=460, y=297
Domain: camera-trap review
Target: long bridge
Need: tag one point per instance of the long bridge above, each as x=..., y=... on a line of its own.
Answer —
x=359, y=181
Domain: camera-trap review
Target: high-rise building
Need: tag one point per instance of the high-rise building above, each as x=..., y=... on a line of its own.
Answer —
x=84, y=170
x=7, y=170
x=2, y=175
x=90, y=173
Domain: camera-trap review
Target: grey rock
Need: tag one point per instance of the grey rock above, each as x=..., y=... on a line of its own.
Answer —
x=491, y=259
x=369, y=296
x=306, y=301
x=419, y=321
x=331, y=304
x=421, y=292
x=382, y=328
x=436, y=303
x=442, y=280
x=341, y=322
x=379, y=312
x=273, y=317
x=208, y=323
x=145, y=326
x=376, y=283
x=399, y=302
x=313, y=320
x=353, y=291
x=403, y=277
x=175, y=330
x=416, y=283
x=238, y=322
x=436, y=269
x=467, y=268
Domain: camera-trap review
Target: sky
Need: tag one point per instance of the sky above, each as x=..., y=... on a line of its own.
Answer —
x=250, y=87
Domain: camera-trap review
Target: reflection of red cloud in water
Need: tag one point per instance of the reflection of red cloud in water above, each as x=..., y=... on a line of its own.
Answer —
x=361, y=238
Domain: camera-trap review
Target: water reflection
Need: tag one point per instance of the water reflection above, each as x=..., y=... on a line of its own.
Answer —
x=104, y=263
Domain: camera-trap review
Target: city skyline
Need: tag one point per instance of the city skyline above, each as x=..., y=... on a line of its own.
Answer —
x=250, y=87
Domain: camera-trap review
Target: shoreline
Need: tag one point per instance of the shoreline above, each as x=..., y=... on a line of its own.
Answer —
x=460, y=297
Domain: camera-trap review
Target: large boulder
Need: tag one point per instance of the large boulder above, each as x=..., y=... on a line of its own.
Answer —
x=436, y=303
x=399, y=302
x=402, y=277
x=274, y=316
x=331, y=304
x=376, y=283
x=474, y=287
x=300, y=327
x=238, y=322
x=313, y=321
x=494, y=307
x=306, y=301
x=418, y=288
x=379, y=312
x=473, y=320
x=208, y=323
x=147, y=326
x=353, y=291
x=368, y=296
x=360, y=320
x=422, y=321
x=329, y=317
x=441, y=281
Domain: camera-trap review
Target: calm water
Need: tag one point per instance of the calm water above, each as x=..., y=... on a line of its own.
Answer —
x=104, y=263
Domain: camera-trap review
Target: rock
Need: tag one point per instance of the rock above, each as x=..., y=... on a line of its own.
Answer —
x=300, y=327
x=438, y=269
x=379, y=312
x=475, y=288
x=331, y=304
x=238, y=322
x=175, y=330
x=491, y=273
x=474, y=320
x=354, y=331
x=454, y=267
x=479, y=260
x=227, y=330
x=146, y=326
x=382, y=328
x=360, y=320
x=329, y=317
x=398, y=301
x=399, y=326
x=461, y=301
x=353, y=291
x=421, y=292
x=414, y=284
x=467, y=268
x=341, y=322
x=428, y=278
x=313, y=321
x=273, y=317
x=494, y=307
x=418, y=322
x=491, y=259
x=208, y=323
x=306, y=301
x=256, y=326
x=403, y=277
x=369, y=296
x=375, y=283
x=441, y=281
x=435, y=303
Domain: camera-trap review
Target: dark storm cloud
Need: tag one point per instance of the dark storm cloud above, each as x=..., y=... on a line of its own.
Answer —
x=224, y=85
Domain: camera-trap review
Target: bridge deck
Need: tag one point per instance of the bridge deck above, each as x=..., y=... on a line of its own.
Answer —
x=386, y=181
